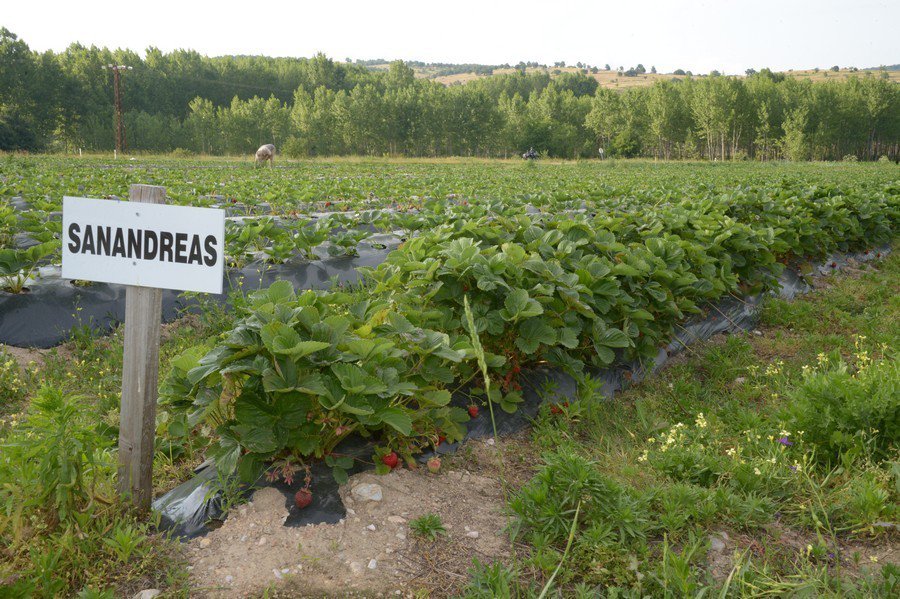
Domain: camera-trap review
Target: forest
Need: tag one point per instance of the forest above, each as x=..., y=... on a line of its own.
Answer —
x=186, y=102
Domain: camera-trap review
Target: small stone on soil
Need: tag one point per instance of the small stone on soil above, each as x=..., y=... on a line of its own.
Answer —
x=367, y=492
x=373, y=564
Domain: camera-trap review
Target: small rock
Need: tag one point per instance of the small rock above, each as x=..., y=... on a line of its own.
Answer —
x=472, y=534
x=401, y=535
x=367, y=492
x=277, y=573
x=396, y=519
x=261, y=541
x=148, y=594
x=370, y=527
x=490, y=441
x=716, y=544
x=757, y=332
x=740, y=380
x=356, y=568
x=229, y=579
x=243, y=538
x=285, y=570
x=373, y=564
x=205, y=542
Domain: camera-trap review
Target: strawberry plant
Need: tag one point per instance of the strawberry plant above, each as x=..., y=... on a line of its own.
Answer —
x=17, y=266
x=299, y=373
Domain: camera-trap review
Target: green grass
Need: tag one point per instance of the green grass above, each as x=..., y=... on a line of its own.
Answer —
x=786, y=442
x=62, y=529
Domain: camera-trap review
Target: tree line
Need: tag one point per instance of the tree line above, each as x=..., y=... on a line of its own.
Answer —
x=318, y=107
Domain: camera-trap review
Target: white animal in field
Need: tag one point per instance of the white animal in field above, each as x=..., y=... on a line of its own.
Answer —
x=266, y=152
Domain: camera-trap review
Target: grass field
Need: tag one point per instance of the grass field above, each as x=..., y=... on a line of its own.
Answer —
x=762, y=464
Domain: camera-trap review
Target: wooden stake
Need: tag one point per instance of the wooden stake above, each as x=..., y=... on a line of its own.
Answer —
x=140, y=375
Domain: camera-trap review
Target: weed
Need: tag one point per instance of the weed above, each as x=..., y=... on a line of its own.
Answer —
x=428, y=527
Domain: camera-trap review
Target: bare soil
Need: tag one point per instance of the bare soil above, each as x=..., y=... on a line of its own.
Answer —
x=370, y=553
x=25, y=356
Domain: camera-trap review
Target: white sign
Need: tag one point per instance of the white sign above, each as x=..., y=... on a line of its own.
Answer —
x=148, y=245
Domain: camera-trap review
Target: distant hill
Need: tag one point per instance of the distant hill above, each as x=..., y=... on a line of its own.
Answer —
x=458, y=74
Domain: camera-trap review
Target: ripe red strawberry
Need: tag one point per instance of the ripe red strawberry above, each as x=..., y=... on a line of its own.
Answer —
x=834, y=265
x=391, y=460
x=302, y=498
x=434, y=465
x=473, y=411
x=441, y=439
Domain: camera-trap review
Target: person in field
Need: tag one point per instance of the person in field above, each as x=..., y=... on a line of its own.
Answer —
x=266, y=152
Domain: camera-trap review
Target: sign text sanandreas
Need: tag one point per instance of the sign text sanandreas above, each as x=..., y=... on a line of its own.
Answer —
x=149, y=245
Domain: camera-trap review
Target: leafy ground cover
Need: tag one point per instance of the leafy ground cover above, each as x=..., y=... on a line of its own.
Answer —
x=309, y=210
x=475, y=299
x=504, y=267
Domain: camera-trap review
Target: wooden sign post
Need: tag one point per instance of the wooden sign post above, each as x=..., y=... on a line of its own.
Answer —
x=140, y=378
x=148, y=247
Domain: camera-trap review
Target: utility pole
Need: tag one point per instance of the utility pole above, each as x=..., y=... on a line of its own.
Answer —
x=121, y=146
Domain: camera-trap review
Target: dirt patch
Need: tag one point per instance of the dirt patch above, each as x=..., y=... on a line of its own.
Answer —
x=371, y=551
x=25, y=356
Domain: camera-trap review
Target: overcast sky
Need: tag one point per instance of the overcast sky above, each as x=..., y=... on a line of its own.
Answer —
x=728, y=35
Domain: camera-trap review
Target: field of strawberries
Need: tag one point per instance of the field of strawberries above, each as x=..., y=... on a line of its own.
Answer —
x=475, y=274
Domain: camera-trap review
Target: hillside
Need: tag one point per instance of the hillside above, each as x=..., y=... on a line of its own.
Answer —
x=611, y=78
